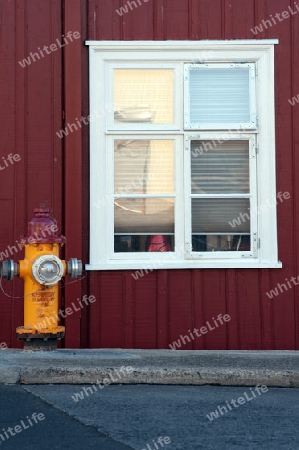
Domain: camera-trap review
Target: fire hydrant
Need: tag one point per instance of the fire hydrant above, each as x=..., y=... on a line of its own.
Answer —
x=41, y=269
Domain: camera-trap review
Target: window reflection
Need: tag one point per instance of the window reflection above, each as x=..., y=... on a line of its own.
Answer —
x=143, y=96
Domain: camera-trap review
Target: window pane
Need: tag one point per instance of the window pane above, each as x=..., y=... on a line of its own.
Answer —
x=223, y=215
x=144, y=215
x=143, y=167
x=219, y=96
x=219, y=168
x=143, y=243
x=143, y=96
x=221, y=243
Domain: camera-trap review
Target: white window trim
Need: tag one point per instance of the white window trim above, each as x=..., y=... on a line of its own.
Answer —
x=103, y=53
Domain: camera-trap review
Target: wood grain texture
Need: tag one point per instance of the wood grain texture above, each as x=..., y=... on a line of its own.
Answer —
x=73, y=162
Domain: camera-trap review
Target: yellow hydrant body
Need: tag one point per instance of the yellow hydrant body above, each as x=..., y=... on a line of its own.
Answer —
x=40, y=302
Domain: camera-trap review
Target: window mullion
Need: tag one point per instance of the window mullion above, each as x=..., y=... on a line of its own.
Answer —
x=187, y=197
x=253, y=200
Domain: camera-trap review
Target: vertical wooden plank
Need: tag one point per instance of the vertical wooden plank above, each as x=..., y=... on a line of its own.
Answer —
x=267, y=331
x=127, y=22
x=238, y=18
x=295, y=144
x=56, y=108
x=87, y=287
x=40, y=129
x=94, y=310
x=143, y=21
x=177, y=15
x=106, y=22
x=193, y=19
x=249, y=309
x=137, y=22
x=232, y=308
x=209, y=23
x=162, y=309
x=112, y=310
x=129, y=301
x=146, y=311
x=56, y=116
x=260, y=13
x=159, y=20
x=214, y=304
x=90, y=24
x=199, y=342
x=180, y=307
x=73, y=161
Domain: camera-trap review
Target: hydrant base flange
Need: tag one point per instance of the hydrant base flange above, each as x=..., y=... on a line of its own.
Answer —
x=37, y=333
x=28, y=335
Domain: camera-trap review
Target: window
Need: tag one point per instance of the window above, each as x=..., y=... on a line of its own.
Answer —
x=182, y=155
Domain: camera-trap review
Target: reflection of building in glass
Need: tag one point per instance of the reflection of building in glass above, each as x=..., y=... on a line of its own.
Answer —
x=143, y=96
x=135, y=114
x=145, y=168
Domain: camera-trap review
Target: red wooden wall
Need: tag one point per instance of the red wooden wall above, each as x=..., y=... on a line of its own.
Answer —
x=155, y=310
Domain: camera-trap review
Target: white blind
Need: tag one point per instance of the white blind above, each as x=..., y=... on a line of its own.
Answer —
x=219, y=96
x=213, y=215
x=219, y=168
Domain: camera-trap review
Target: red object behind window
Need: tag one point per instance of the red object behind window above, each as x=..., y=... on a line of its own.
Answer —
x=159, y=243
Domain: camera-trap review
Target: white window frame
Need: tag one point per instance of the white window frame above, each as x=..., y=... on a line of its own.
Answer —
x=252, y=195
x=174, y=54
x=177, y=195
x=141, y=127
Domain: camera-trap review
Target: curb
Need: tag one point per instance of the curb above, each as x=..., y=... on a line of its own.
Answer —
x=182, y=376
x=118, y=366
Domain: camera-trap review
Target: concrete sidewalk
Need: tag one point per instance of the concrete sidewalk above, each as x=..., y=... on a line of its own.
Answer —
x=118, y=366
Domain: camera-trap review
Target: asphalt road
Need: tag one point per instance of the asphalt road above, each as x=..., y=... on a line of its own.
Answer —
x=134, y=417
x=56, y=431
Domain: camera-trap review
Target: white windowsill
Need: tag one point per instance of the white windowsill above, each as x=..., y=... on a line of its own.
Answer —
x=156, y=265
x=174, y=44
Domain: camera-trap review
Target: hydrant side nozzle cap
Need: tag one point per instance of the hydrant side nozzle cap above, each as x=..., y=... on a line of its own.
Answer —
x=74, y=268
x=9, y=269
